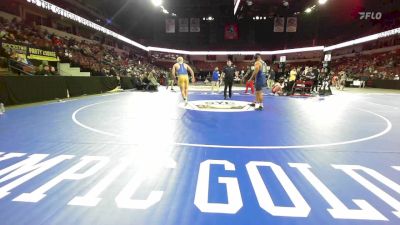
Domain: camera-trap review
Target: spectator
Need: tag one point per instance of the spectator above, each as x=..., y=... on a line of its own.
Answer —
x=277, y=88
x=342, y=82
x=215, y=80
x=315, y=79
x=292, y=80
x=271, y=77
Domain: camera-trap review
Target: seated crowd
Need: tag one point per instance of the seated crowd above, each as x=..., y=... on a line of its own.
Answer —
x=382, y=66
x=93, y=57
x=362, y=68
x=164, y=56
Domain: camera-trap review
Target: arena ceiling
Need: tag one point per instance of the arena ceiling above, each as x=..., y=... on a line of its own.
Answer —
x=123, y=11
x=137, y=18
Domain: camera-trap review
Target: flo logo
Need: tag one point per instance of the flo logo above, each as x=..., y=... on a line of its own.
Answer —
x=370, y=15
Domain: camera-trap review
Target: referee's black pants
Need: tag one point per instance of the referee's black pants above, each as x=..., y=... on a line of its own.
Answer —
x=228, y=83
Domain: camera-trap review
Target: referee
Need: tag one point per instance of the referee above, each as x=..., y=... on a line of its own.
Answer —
x=229, y=75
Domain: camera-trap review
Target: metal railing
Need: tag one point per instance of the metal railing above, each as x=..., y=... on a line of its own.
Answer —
x=13, y=65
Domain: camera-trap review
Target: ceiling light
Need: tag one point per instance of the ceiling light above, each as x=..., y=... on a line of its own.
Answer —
x=165, y=11
x=236, y=7
x=257, y=18
x=321, y=2
x=210, y=18
x=156, y=2
x=265, y=17
x=308, y=10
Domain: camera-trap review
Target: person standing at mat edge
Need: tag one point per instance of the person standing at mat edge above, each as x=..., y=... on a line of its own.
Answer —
x=260, y=69
x=170, y=80
x=2, y=108
x=215, y=80
x=271, y=77
x=249, y=83
x=180, y=70
x=229, y=74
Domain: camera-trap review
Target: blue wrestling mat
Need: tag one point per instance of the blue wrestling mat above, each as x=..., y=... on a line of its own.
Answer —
x=147, y=159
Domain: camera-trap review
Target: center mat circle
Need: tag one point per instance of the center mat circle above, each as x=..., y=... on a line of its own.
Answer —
x=218, y=106
x=284, y=124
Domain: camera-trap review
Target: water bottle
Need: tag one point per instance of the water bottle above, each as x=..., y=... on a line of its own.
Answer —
x=2, y=108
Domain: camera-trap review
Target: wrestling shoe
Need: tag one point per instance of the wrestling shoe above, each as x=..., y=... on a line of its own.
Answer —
x=260, y=108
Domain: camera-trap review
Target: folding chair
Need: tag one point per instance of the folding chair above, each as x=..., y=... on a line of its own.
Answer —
x=308, y=86
x=298, y=85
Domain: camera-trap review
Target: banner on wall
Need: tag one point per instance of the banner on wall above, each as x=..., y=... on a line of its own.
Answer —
x=231, y=32
x=170, y=25
x=291, y=25
x=20, y=50
x=194, y=24
x=43, y=55
x=183, y=25
x=279, y=24
x=31, y=52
